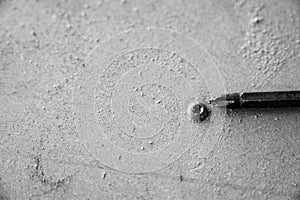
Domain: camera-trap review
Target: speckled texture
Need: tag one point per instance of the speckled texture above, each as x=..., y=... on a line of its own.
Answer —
x=43, y=45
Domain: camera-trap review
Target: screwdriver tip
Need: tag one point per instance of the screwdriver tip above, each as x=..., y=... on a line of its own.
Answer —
x=219, y=101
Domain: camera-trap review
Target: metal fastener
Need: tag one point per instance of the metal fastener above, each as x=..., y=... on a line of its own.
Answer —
x=198, y=111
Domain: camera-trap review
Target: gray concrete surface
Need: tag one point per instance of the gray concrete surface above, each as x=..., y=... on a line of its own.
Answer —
x=255, y=45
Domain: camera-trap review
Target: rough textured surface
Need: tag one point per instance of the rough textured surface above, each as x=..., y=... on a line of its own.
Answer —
x=256, y=45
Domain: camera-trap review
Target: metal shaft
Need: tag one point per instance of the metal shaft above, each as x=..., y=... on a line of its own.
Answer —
x=259, y=99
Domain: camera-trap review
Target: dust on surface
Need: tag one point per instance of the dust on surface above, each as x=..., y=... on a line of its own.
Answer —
x=43, y=45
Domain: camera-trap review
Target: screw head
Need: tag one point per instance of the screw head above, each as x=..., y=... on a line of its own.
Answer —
x=198, y=111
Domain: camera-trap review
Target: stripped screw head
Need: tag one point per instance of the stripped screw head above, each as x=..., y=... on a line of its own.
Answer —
x=198, y=112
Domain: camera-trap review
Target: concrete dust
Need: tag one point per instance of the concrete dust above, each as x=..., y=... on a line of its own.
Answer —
x=43, y=47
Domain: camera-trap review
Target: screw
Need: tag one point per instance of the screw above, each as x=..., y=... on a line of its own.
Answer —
x=198, y=111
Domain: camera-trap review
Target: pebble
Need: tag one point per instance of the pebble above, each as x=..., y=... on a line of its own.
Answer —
x=103, y=175
x=257, y=20
x=68, y=26
x=33, y=33
x=158, y=101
